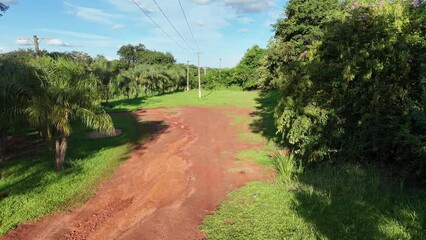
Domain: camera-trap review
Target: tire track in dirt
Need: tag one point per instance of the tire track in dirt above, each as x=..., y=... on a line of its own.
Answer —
x=167, y=186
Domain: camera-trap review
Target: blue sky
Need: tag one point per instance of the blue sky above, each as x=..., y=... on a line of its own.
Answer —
x=222, y=28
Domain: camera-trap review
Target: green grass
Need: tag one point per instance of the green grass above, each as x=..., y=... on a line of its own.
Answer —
x=211, y=98
x=326, y=202
x=36, y=190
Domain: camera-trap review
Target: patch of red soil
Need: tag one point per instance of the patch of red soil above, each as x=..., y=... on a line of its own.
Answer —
x=166, y=188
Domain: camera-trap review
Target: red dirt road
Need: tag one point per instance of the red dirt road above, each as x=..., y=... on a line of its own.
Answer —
x=166, y=188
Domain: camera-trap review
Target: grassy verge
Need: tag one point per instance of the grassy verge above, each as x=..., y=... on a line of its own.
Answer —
x=36, y=190
x=325, y=202
x=343, y=201
x=211, y=98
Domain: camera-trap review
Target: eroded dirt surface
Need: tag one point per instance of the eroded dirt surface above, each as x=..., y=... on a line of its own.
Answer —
x=166, y=188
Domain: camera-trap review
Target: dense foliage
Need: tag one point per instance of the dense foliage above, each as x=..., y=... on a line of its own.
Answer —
x=138, y=54
x=352, y=79
x=245, y=75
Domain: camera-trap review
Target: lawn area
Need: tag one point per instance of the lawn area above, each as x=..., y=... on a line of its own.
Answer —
x=325, y=202
x=36, y=190
x=342, y=201
x=211, y=98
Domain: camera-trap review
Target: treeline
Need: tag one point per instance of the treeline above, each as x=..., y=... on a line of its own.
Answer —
x=352, y=82
x=48, y=92
x=245, y=75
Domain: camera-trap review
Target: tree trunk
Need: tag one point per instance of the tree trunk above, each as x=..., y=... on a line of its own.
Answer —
x=2, y=155
x=107, y=93
x=2, y=147
x=60, y=149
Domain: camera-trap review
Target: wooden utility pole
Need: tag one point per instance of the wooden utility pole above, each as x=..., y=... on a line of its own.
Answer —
x=220, y=66
x=187, y=76
x=36, y=41
x=199, y=75
x=36, y=45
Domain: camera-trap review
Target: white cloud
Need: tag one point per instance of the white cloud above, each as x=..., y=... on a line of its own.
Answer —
x=2, y=49
x=250, y=6
x=57, y=42
x=118, y=27
x=24, y=42
x=243, y=30
x=242, y=6
x=92, y=14
x=9, y=1
x=202, y=2
x=75, y=34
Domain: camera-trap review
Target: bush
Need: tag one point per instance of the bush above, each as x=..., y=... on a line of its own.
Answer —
x=356, y=90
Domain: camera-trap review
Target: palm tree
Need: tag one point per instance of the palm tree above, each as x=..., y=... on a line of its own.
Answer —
x=67, y=93
x=104, y=70
x=16, y=85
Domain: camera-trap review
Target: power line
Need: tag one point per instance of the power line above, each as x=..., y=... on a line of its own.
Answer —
x=161, y=10
x=189, y=27
x=152, y=20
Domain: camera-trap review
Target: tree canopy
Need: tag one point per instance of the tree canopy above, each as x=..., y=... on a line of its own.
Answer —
x=138, y=54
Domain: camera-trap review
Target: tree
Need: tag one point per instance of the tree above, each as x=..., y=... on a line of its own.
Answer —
x=248, y=70
x=302, y=26
x=68, y=93
x=128, y=53
x=104, y=70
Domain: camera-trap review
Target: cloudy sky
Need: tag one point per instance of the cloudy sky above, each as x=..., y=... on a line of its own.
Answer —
x=222, y=28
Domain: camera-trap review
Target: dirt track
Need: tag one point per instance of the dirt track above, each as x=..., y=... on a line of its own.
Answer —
x=166, y=188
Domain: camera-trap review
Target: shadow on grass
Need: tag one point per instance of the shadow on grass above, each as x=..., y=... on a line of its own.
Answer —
x=38, y=171
x=124, y=104
x=357, y=202
x=263, y=116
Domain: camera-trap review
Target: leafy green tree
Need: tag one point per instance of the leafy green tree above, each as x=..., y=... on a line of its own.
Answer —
x=302, y=26
x=138, y=54
x=247, y=69
x=128, y=53
x=105, y=71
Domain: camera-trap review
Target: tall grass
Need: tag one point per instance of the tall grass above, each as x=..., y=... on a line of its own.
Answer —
x=287, y=166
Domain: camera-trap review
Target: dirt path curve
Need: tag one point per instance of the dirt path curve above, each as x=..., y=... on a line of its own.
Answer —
x=166, y=188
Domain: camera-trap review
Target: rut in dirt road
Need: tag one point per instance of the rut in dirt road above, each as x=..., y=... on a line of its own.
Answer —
x=166, y=188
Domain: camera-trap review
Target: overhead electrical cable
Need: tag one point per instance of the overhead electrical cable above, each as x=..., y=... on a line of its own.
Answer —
x=164, y=14
x=189, y=27
x=152, y=20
